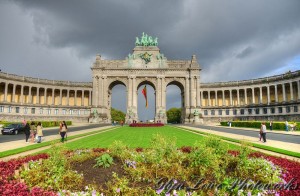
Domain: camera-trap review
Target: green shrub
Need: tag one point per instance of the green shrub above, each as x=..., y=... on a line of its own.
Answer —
x=257, y=124
x=52, y=173
x=104, y=160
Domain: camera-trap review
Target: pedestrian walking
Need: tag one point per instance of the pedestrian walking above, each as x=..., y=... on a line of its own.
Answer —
x=39, y=132
x=264, y=132
x=27, y=131
x=63, y=128
x=260, y=133
x=286, y=125
x=271, y=125
x=32, y=132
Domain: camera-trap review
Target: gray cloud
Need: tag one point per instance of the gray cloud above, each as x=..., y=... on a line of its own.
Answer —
x=235, y=40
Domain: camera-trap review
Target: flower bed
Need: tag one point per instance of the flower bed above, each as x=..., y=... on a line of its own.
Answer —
x=9, y=185
x=207, y=168
x=146, y=125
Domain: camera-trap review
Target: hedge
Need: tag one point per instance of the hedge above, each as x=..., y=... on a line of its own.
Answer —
x=257, y=124
x=44, y=123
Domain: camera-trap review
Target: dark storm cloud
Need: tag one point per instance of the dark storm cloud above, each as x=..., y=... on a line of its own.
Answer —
x=245, y=52
x=233, y=40
x=213, y=30
x=108, y=27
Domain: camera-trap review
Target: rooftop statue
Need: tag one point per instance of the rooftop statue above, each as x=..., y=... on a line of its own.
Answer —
x=146, y=40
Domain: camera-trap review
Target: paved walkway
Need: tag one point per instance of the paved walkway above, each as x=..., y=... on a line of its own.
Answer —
x=272, y=143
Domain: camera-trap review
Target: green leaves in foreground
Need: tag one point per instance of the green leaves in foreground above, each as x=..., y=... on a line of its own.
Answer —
x=104, y=160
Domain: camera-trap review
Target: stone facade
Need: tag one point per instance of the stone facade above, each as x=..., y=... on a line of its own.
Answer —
x=269, y=98
x=135, y=71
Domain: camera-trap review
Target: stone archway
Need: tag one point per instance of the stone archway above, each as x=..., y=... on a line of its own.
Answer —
x=146, y=63
x=179, y=83
x=109, y=94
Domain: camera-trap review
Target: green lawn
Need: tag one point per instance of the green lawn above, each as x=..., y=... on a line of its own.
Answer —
x=136, y=137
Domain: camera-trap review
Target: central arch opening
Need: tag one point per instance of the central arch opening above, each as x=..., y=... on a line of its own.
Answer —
x=117, y=99
x=146, y=114
x=174, y=102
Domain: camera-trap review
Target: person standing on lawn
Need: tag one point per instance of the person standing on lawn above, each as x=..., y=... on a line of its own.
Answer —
x=271, y=125
x=39, y=130
x=63, y=131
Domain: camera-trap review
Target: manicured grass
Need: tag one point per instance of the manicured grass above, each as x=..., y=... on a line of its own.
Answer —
x=137, y=137
x=269, y=148
x=43, y=144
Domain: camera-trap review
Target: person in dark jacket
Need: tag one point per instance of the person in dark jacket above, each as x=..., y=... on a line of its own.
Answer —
x=27, y=131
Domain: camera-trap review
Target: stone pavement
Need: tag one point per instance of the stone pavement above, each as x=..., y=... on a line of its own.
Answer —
x=255, y=140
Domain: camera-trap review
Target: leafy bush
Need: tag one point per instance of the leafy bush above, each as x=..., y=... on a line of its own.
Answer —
x=257, y=124
x=53, y=172
x=44, y=123
x=104, y=160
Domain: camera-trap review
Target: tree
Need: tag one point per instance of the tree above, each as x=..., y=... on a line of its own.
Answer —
x=174, y=115
x=117, y=115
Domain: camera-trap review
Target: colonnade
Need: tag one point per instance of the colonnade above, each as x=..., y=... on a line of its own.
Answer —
x=249, y=95
x=25, y=94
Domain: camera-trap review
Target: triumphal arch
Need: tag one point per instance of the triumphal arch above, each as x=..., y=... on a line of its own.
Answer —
x=145, y=65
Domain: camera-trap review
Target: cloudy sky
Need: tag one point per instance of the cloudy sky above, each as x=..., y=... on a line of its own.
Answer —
x=233, y=40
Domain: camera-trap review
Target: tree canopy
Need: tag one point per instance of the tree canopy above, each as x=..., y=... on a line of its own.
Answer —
x=174, y=115
x=117, y=115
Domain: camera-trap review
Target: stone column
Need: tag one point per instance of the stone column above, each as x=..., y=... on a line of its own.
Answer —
x=192, y=93
x=45, y=96
x=134, y=93
x=268, y=94
x=208, y=97
x=53, y=96
x=105, y=92
x=22, y=94
x=187, y=92
x=283, y=93
x=82, y=97
x=163, y=93
x=90, y=98
x=129, y=92
x=14, y=93
x=238, y=96
x=223, y=97
x=95, y=91
x=5, y=92
x=29, y=95
x=216, y=98
x=253, y=97
x=291, y=90
x=68, y=97
x=230, y=96
x=75, y=98
x=246, y=101
x=276, y=94
x=38, y=95
x=99, y=96
x=198, y=104
x=201, y=98
x=260, y=95
x=158, y=93
x=60, y=96
x=298, y=89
